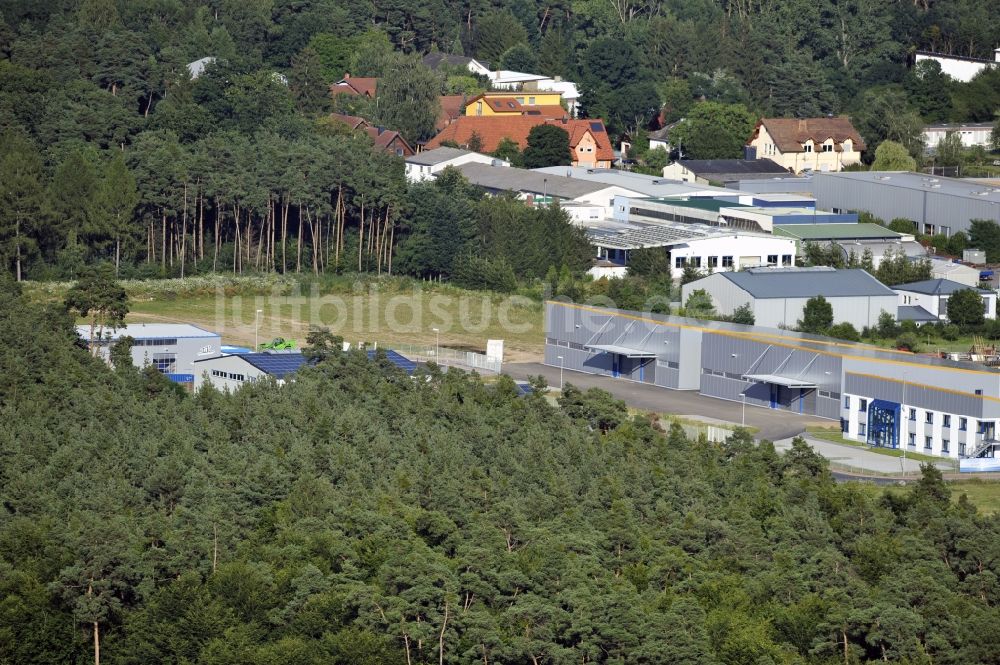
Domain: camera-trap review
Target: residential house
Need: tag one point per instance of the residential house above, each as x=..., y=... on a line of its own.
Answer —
x=427, y=164
x=808, y=144
x=384, y=139
x=523, y=82
x=590, y=145
x=542, y=104
x=452, y=107
x=436, y=59
x=722, y=171
x=932, y=295
x=356, y=86
x=777, y=296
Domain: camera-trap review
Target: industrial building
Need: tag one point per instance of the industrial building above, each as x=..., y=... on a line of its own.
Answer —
x=853, y=240
x=232, y=371
x=938, y=205
x=696, y=245
x=172, y=348
x=644, y=185
x=777, y=296
x=881, y=397
x=427, y=164
x=724, y=171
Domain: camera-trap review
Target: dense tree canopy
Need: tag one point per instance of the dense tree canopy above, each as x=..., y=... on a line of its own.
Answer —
x=355, y=515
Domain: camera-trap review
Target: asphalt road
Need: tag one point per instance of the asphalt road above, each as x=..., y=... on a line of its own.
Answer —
x=772, y=425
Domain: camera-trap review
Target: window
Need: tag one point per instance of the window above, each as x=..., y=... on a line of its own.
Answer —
x=727, y=262
x=827, y=147
x=913, y=415
x=786, y=259
x=807, y=147
x=847, y=402
x=165, y=362
x=531, y=100
x=912, y=440
x=929, y=417
x=479, y=108
x=713, y=262
x=929, y=229
x=862, y=430
x=946, y=420
x=680, y=262
x=864, y=406
x=961, y=449
x=927, y=443
x=772, y=259
x=696, y=261
x=944, y=445
x=963, y=424
x=979, y=391
x=520, y=100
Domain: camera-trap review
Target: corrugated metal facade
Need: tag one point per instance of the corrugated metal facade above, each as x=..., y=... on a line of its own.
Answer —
x=887, y=201
x=951, y=401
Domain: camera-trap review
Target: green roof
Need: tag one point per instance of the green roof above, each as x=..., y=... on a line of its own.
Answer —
x=714, y=205
x=844, y=231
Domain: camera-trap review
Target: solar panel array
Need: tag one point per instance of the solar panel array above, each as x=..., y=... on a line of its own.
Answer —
x=650, y=236
x=277, y=365
x=397, y=359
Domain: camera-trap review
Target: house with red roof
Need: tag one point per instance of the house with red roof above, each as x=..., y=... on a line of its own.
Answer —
x=358, y=86
x=384, y=139
x=589, y=143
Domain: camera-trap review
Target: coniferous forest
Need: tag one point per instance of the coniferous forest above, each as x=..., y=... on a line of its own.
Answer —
x=357, y=515
x=111, y=151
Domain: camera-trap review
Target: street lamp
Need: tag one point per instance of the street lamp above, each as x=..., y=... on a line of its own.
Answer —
x=560, y=372
x=437, y=345
x=256, y=329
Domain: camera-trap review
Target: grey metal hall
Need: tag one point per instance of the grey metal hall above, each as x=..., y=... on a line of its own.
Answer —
x=879, y=396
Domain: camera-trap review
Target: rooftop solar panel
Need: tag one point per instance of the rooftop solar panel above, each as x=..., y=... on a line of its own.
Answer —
x=277, y=365
x=398, y=360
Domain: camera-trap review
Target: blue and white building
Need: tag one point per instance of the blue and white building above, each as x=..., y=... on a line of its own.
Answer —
x=172, y=348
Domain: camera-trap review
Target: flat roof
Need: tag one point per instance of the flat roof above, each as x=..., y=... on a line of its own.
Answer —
x=522, y=180
x=783, y=210
x=954, y=126
x=437, y=156
x=734, y=167
x=783, y=197
x=845, y=231
x=790, y=282
x=958, y=187
x=664, y=235
x=711, y=205
x=151, y=331
x=647, y=185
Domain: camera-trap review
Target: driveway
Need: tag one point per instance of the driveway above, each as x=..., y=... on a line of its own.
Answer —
x=772, y=424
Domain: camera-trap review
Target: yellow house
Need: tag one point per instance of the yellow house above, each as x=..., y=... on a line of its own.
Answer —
x=545, y=104
x=809, y=144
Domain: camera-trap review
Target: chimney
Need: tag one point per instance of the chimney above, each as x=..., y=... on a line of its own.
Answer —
x=347, y=76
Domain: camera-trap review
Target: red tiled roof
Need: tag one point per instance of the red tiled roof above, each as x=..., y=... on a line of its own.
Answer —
x=491, y=129
x=452, y=106
x=352, y=121
x=355, y=85
x=389, y=140
x=790, y=133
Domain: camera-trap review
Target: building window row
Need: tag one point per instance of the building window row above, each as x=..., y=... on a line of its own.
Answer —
x=228, y=375
x=711, y=261
x=154, y=341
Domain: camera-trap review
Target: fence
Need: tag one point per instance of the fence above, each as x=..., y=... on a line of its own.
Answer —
x=445, y=356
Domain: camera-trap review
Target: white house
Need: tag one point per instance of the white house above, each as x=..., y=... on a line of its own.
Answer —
x=933, y=294
x=504, y=79
x=807, y=144
x=436, y=59
x=959, y=68
x=778, y=296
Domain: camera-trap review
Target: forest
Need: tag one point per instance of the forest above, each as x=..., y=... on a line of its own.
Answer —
x=356, y=515
x=110, y=151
